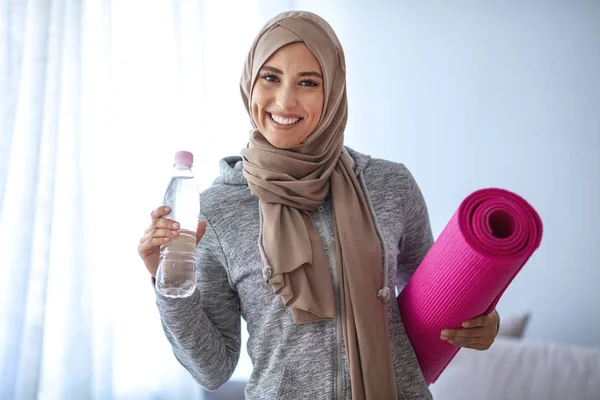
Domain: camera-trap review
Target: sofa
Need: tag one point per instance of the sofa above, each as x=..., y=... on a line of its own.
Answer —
x=517, y=369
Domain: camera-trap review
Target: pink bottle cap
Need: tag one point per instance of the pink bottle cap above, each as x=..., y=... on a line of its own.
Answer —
x=184, y=157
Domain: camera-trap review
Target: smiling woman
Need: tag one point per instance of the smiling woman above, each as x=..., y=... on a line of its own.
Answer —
x=304, y=238
x=287, y=100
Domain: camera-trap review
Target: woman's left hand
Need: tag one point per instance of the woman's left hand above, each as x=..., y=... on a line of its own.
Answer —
x=477, y=333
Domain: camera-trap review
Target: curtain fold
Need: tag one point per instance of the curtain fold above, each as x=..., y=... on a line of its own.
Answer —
x=43, y=319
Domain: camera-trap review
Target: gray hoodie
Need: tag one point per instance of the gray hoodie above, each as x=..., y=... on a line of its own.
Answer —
x=306, y=361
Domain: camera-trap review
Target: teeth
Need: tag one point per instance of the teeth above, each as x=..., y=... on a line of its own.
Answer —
x=284, y=121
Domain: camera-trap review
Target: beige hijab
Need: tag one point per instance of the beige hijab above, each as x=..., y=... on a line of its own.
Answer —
x=290, y=184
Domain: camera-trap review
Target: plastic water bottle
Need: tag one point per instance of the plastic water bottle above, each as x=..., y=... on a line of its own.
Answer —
x=176, y=275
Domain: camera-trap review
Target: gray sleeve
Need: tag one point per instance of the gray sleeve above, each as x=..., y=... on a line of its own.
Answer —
x=417, y=237
x=204, y=328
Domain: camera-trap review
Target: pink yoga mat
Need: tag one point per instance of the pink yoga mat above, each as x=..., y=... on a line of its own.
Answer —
x=486, y=243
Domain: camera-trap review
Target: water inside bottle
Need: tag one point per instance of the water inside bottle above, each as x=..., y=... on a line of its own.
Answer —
x=179, y=260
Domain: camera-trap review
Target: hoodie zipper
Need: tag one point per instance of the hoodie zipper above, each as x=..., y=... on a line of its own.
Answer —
x=332, y=257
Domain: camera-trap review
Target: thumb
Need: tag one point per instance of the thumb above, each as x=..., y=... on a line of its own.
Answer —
x=200, y=231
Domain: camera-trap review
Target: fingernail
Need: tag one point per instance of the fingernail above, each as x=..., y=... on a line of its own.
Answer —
x=444, y=334
x=175, y=225
x=167, y=209
x=466, y=324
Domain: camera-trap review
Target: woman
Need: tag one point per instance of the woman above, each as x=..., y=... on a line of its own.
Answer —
x=306, y=239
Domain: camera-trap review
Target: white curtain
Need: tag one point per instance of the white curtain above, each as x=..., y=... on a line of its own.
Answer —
x=95, y=98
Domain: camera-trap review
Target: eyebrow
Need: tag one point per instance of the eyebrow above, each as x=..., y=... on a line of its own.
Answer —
x=278, y=71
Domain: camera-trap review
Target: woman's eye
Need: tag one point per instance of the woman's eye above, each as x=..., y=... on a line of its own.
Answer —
x=309, y=83
x=270, y=78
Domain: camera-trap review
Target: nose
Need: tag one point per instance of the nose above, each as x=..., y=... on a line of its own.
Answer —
x=286, y=97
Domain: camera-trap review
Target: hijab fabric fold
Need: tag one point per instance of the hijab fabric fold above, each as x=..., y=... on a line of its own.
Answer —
x=292, y=183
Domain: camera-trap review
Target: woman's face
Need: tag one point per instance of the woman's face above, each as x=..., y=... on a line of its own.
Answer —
x=287, y=99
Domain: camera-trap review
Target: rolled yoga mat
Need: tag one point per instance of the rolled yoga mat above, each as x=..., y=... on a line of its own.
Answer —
x=486, y=243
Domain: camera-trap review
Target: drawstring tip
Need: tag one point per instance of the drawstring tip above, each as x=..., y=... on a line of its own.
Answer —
x=267, y=271
x=384, y=293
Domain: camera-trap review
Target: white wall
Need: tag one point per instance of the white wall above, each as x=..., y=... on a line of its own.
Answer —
x=480, y=94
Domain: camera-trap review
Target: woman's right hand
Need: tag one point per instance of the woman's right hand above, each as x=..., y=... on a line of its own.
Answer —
x=160, y=232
